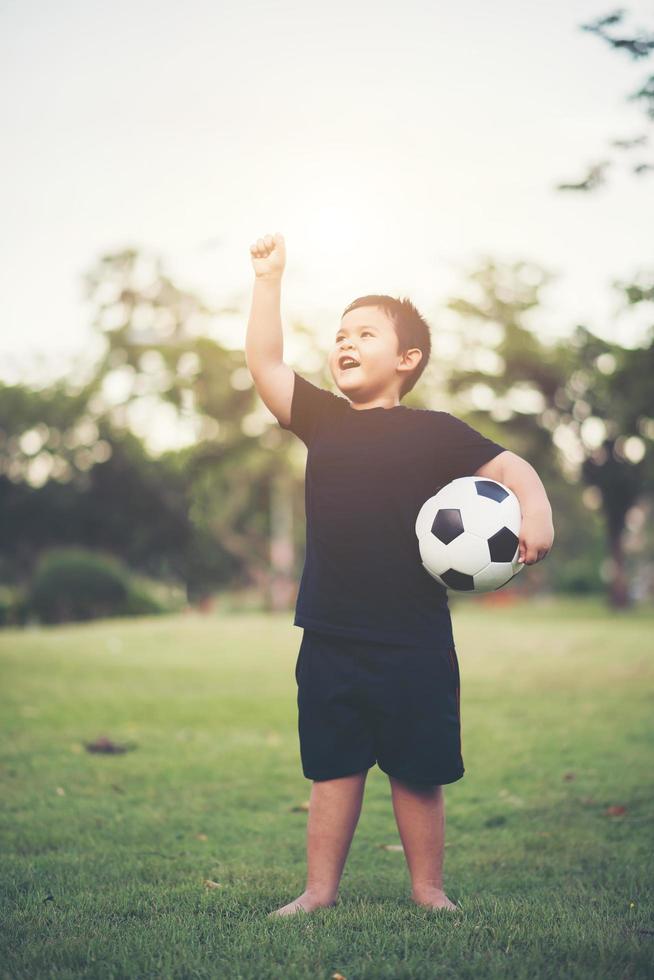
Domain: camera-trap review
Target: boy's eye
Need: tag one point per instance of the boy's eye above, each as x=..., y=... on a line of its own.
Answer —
x=369, y=332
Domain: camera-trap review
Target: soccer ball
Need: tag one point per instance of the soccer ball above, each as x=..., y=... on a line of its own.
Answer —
x=468, y=535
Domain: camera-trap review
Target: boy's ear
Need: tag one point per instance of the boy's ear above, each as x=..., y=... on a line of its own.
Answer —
x=412, y=356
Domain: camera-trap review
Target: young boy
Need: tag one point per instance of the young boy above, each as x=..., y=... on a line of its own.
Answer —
x=377, y=670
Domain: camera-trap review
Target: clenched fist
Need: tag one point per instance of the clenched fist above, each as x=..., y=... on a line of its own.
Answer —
x=268, y=256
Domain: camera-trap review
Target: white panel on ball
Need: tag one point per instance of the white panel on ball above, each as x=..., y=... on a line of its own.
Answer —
x=458, y=493
x=434, y=553
x=494, y=576
x=511, y=514
x=484, y=518
x=468, y=554
x=425, y=517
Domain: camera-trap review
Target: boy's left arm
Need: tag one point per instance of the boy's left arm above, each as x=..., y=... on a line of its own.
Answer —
x=536, y=530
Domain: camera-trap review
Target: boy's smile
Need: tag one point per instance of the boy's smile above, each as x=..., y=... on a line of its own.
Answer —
x=368, y=337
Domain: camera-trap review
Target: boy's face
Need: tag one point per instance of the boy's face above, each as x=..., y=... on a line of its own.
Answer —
x=368, y=335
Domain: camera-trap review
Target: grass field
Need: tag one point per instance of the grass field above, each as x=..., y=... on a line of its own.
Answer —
x=105, y=857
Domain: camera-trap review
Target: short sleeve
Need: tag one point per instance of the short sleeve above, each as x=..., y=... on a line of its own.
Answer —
x=309, y=405
x=462, y=449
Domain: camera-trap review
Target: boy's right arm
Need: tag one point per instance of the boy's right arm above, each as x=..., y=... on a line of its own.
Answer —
x=264, y=343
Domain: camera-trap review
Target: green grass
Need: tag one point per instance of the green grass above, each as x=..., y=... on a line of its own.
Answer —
x=103, y=858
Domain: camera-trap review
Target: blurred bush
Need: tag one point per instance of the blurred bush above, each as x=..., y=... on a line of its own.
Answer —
x=77, y=584
x=579, y=576
x=12, y=606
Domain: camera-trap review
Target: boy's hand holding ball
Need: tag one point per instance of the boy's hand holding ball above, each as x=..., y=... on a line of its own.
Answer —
x=536, y=537
x=268, y=256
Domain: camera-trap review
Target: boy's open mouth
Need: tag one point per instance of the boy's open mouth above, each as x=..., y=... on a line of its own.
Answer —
x=347, y=362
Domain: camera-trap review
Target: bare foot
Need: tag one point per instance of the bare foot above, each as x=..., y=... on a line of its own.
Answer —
x=305, y=903
x=434, y=898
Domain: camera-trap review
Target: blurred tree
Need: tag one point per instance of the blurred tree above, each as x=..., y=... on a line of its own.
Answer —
x=158, y=348
x=67, y=476
x=637, y=44
x=74, y=470
x=589, y=399
x=613, y=384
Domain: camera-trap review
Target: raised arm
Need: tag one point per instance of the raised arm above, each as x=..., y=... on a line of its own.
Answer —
x=264, y=343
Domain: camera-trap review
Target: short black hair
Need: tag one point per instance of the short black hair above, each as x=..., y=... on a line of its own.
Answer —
x=411, y=328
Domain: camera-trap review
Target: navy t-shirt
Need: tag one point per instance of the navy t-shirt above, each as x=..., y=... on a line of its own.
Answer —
x=368, y=473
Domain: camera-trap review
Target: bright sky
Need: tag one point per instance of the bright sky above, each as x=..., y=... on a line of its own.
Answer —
x=392, y=144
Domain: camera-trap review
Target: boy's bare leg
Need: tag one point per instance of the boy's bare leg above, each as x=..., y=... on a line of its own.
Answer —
x=334, y=809
x=420, y=815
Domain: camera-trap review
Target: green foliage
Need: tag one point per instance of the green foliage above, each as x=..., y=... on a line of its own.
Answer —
x=585, y=378
x=132, y=505
x=72, y=474
x=77, y=584
x=638, y=44
x=12, y=605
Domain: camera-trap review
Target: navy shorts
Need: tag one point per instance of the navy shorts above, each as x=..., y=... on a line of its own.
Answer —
x=362, y=703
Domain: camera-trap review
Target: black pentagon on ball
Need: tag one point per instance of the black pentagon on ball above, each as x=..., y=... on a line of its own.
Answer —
x=502, y=545
x=458, y=580
x=447, y=524
x=486, y=488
